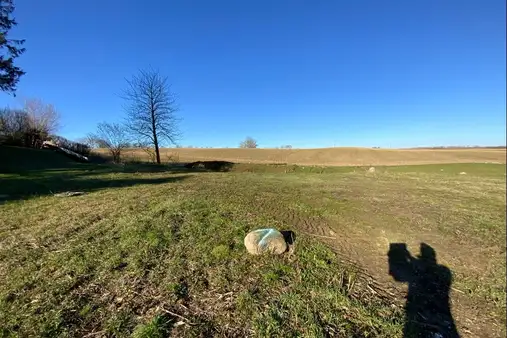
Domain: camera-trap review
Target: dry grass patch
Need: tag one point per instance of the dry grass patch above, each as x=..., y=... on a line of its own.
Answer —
x=326, y=156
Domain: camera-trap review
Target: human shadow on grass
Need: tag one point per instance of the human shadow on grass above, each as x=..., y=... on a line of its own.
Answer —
x=26, y=186
x=427, y=309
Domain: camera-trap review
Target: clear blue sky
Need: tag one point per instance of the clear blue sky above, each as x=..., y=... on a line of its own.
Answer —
x=394, y=73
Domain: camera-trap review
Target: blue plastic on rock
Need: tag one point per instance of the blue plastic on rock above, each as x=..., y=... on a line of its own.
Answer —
x=264, y=240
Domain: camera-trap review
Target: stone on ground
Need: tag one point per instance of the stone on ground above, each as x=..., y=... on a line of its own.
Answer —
x=462, y=173
x=265, y=241
x=371, y=170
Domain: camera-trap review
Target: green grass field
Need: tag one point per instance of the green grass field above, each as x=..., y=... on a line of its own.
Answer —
x=150, y=251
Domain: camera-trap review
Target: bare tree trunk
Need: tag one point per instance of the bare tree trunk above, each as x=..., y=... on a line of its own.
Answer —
x=155, y=139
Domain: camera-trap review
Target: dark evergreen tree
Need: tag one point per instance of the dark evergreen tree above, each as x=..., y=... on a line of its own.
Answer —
x=9, y=49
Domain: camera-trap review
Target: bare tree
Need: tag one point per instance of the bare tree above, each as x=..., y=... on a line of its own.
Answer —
x=111, y=136
x=248, y=143
x=151, y=108
x=29, y=127
x=14, y=127
x=43, y=116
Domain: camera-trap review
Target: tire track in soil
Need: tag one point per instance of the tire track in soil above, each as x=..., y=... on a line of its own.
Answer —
x=366, y=284
x=355, y=250
x=470, y=318
x=359, y=249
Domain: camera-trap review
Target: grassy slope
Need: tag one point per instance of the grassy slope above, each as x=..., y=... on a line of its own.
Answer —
x=139, y=259
x=332, y=156
x=143, y=248
x=16, y=159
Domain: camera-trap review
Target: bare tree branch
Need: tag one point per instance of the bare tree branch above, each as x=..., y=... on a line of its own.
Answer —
x=30, y=126
x=43, y=116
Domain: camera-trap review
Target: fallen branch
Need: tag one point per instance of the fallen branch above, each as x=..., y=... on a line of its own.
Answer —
x=179, y=316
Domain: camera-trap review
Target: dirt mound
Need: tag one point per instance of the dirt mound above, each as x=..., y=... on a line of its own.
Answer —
x=210, y=165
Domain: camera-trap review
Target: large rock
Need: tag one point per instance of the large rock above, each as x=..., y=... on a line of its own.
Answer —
x=265, y=241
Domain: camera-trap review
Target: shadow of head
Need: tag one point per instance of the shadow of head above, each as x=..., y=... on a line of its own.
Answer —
x=427, y=254
x=403, y=266
x=400, y=262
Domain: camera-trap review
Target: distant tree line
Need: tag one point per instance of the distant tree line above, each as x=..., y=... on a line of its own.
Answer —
x=35, y=123
x=17, y=129
x=30, y=126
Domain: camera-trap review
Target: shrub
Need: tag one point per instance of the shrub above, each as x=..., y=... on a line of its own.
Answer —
x=248, y=143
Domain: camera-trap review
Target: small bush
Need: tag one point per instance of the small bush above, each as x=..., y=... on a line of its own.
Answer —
x=248, y=143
